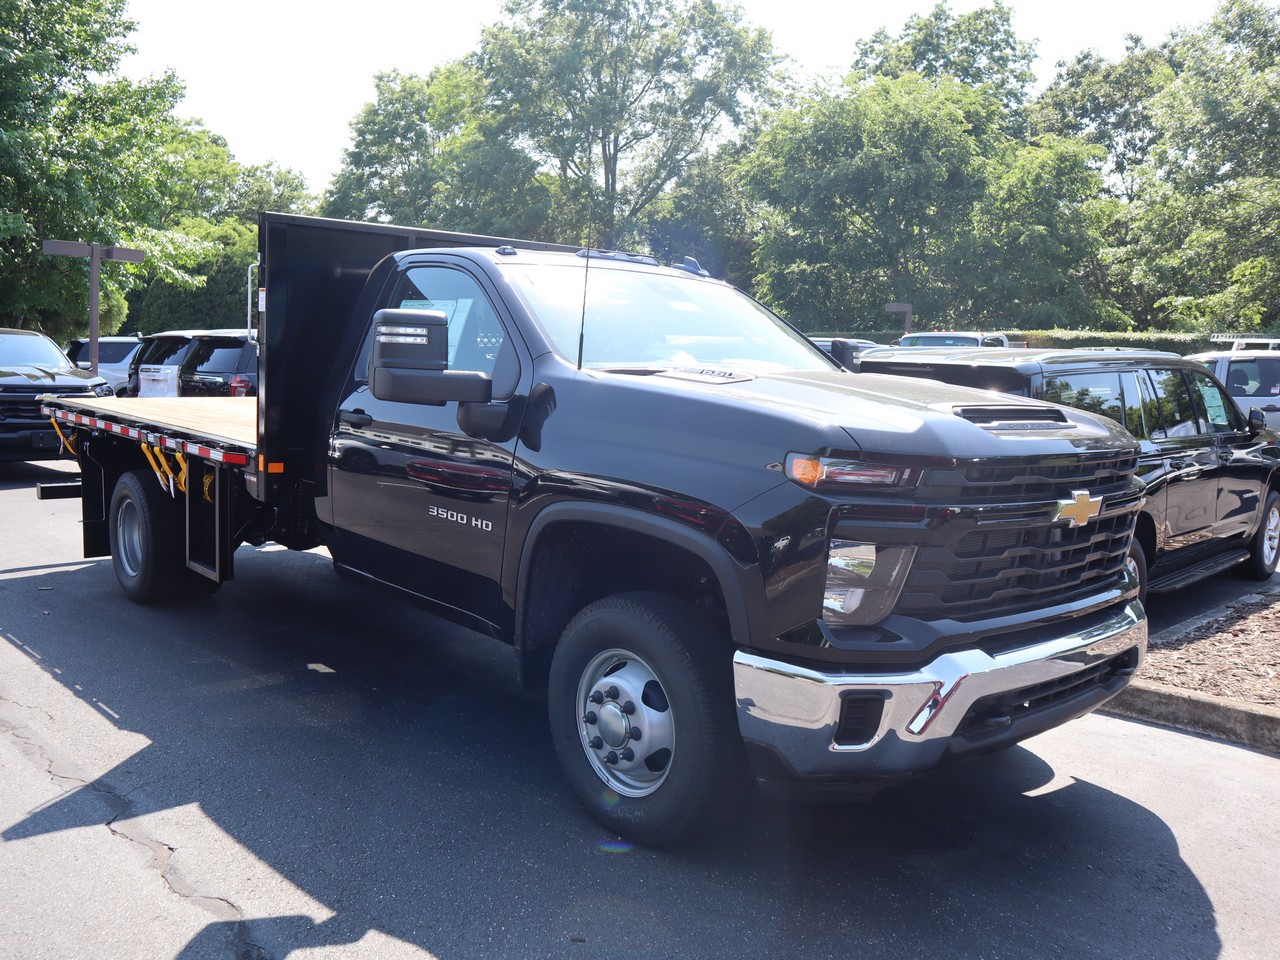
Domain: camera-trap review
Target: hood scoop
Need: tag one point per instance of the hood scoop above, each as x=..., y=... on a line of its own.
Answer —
x=707, y=374
x=1014, y=418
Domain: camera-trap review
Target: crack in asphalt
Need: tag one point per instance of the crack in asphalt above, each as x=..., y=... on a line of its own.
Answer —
x=161, y=854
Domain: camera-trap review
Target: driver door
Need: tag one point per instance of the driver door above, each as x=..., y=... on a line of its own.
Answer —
x=417, y=502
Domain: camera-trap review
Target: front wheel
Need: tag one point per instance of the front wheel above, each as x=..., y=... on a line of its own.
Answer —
x=1264, y=548
x=641, y=709
x=1137, y=564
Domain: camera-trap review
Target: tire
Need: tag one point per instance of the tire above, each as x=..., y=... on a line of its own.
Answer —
x=1137, y=563
x=661, y=659
x=146, y=544
x=1264, y=547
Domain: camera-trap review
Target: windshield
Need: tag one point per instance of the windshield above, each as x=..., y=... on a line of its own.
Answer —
x=637, y=319
x=34, y=351
x=939, y=340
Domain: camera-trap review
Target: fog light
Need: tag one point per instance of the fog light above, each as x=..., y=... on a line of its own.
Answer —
x=863, y=581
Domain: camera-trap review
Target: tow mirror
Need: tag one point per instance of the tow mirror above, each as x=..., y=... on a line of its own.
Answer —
x=410, y=361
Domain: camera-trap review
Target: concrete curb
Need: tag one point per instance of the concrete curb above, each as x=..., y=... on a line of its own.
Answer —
x=1248, y=724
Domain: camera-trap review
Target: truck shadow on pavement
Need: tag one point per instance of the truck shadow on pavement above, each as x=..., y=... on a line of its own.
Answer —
x=389, y=767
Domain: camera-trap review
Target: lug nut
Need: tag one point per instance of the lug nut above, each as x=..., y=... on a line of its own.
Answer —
x=590, y=718
x=610, y=758
x=634, y=733
x=612, y=693
x=596, y=697
x=628, y=754
x=595, y=743
x=628, y=708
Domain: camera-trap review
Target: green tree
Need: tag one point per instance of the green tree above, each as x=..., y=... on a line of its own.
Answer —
x=1109, y=105
x=426, y=152
x=220, y=300
x=1031, y=256
x=1206, y=221
x=864, y=187
x=216, y=204
x=979, y=49
x=707, y=214
x=78, y=160
x=614, y=98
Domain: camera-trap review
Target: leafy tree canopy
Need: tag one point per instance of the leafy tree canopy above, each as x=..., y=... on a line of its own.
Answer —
x=425, y=152
x=979, y=49
x=78, y=161
x=614, y=98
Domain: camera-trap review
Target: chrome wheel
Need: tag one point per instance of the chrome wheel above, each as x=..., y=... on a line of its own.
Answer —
x=1271, y=536
x=129, y=537
x=625, y=726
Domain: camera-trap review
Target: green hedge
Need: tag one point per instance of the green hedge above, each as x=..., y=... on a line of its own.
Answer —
x=1181, y=343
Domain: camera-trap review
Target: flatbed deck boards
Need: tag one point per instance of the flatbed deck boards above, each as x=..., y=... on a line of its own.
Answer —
x=230, y=419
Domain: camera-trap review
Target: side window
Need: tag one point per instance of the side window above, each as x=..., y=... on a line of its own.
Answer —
x=1268, y=378
x=1095, y=392
x=475, y=335
x=1242, y=378
x=1221, y=413
x=1172, y=401
x=1133, y=419
x=477, y=338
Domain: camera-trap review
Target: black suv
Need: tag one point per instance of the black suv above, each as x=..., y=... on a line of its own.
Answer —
x=1211, y=474
x=32, y=365
x=220, y=365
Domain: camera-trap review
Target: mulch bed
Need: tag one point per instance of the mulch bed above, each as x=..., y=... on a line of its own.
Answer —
x=1236, y=656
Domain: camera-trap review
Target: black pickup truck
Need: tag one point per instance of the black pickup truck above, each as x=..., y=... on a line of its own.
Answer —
x=716, y=550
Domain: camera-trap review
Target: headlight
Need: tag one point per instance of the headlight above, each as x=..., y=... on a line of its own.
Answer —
x=103, y=390
x=847, y=472
x=863, y=581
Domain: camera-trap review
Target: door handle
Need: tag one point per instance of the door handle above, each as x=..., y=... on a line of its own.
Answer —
x=355, y=418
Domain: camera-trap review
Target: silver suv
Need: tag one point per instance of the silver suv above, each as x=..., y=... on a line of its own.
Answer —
x=114, y=356
x=1250, y=368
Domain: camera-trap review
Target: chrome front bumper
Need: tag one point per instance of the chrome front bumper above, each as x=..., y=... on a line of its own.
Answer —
x=789, y=715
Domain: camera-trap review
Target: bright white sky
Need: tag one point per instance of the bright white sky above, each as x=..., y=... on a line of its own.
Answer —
x=282, y=79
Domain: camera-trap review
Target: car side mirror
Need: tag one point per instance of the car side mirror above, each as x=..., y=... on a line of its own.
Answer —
x=1257, y=422
x=410, y=361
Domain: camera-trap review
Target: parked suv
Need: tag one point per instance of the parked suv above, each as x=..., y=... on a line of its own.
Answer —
x=1251, y=370
x=1210, y=473
x=220, y=366
x=954, y=338
x=115, y=355
x=31, y=365
x=154, y=370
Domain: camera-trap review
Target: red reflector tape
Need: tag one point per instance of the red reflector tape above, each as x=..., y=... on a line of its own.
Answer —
x=155, y=439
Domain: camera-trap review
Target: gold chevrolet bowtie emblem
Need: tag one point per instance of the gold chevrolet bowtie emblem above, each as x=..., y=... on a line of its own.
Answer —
x=1079, y=510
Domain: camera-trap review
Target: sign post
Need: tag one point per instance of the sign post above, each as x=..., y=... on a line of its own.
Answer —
x=904, y=308
x=96, y=253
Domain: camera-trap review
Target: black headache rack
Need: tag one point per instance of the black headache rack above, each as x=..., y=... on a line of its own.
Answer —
x=314, y=271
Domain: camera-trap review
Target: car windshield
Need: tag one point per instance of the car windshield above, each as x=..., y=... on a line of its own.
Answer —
x=35, y=351
x=938, y=340
x=635, y=319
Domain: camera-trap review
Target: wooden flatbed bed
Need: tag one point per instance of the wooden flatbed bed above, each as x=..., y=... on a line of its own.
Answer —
x=225, y=424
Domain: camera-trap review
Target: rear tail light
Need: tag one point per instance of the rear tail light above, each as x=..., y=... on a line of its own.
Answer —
x=241, y=386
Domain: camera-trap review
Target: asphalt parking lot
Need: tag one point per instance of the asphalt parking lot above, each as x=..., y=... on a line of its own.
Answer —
x=294, y=768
